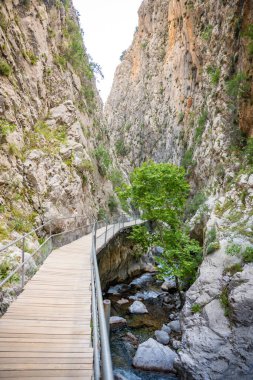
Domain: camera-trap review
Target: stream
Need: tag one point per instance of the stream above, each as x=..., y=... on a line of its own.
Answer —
x=163, y=307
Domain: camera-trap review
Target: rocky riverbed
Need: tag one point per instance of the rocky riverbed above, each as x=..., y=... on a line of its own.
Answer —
x=145, y=330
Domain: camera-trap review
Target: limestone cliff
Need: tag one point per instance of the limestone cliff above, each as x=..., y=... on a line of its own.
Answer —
x=183, y=93
x=53, y=158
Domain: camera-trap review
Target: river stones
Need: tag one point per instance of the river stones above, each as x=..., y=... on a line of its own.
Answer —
x=138, y=308
x=162, y=336
x=166, y=328
x=116, y=322
x=175, y=326
x=122, y=301
x=152, y=355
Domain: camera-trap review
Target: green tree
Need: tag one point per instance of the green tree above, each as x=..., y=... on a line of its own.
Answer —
x=160, y=191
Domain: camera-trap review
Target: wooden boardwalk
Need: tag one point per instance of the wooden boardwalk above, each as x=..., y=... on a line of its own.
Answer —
x=46, y=332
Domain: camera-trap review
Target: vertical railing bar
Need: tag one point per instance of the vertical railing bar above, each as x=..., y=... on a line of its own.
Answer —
x=23, y=266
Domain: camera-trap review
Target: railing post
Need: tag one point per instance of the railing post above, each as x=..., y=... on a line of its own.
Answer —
x=22, y=260
x=107, y=309
x=106, y=230
x=113, y=228
x=95, y=237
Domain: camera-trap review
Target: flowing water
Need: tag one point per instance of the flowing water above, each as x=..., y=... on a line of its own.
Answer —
x=142, y=326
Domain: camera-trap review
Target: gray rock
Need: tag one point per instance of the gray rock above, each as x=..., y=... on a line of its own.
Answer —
x=152, y=355
x=175, y=326
x=131, y=338
x=176, y=344
x=166, y=328
x=121, y=374
x=122, y=301
x=162, y=336
x=138, y=308
x=116, y=322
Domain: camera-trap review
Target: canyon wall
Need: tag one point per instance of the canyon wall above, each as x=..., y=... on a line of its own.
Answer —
x=53, y=157
x=183, y=94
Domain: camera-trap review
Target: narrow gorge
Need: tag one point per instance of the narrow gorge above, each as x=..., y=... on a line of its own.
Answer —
x=182, y=95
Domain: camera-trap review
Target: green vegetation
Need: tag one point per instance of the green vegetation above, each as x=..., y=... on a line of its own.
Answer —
x=160, y=192
x=30, y=57
x=102, y=215
x=116, y=177
x=3, y=22
x=112, y=204
x=187, y=160
x=235, y=268
x=248, y=151
x=249, y=35
x=196, y=308
x=86, y=165
x=212, y=242
x=14, y=150
x=4, y=233
x=247, y=255
x=207, y=33
x=6, y=127
x=221, y=209
x=180, y=117
x=214, y=73
x=194, y=204
x=60, y=61
x=238, y=86
x=201, y=125
x=224, y=300
x=103, y=159
x=5, y=68
x=233, y=249
x=121, y=148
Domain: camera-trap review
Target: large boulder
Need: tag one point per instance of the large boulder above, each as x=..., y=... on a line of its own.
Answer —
x=152, y=355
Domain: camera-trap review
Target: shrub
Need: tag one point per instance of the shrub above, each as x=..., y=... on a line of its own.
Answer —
x=249, y=35
x=212, y=247
x=248, y=151
x=180, y=117
x=5, y=68
x=60, y=61
x=6, y=127
x=203, y=118
x=121, y=148
x=116, y=178
x=238, y=86
x=87, y=166
x=4, y=233
x=3, y=22
x=233, y=249
x=103, y=159
x=187, y=160
x=248, y=255
x=235, y=268
x=207, y=33
x=112, y=204
x=14, y=150
x=101, y=214
x=214, y=74
x=196, y=308
x=224, y=300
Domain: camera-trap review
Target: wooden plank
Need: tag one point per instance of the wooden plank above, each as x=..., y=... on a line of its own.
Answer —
x=46, y=373
x=47, y=360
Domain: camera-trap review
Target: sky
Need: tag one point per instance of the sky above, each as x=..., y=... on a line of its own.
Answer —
x=108, y=26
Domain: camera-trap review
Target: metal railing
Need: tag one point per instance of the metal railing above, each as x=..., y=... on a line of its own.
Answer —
x=76, y=223
x=100, y=331
x=102, y=353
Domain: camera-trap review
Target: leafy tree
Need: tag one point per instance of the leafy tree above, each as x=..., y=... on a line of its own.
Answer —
x=160, y=191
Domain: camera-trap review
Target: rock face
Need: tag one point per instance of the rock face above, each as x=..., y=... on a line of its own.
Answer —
x=50, y=118
x=152, y=355
x=183, y=94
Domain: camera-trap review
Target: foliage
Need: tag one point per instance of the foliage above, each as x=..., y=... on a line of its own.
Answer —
x=212, y=247
x=5, y=68
x=87, y=166
x=180, y=117
x=30, y=57
x=207, y=33
x=201, y=124
x=214, y=73
x=116, y=177
x=212, y=242
x=248, y=255
x=103, y=159
x=59, y=133
x=249, y=35
x=194, y=204
x=196, y=308
x=101, y=214
x=3, y=22
x=159, y=191
x=112, y=204
x=187, y=160
x=121, y=148
x=238, y=86
x=6, y=127
x=224, y=300
x=233, y=249
x=235, y=268
x=60, y=61
x=4, y=233
x=248, y=151
x=14, y=150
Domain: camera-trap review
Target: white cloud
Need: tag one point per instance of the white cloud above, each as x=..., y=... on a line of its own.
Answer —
x=108, y=27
